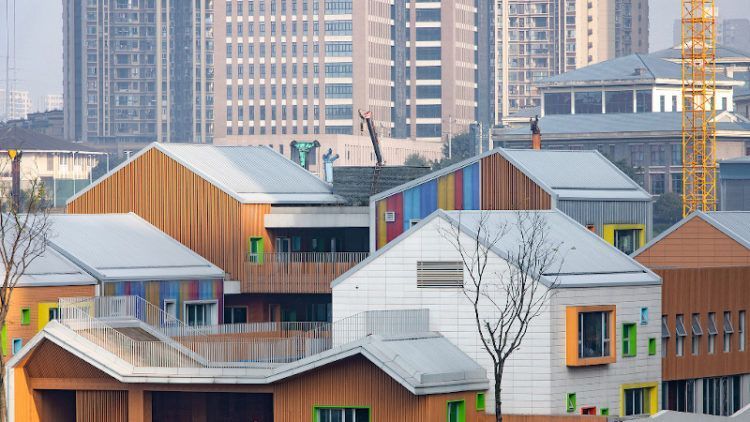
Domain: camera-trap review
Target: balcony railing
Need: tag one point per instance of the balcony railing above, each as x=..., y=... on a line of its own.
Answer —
x=144, y=336
x=297, y=272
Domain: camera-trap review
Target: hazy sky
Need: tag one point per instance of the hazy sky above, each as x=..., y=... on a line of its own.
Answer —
x=39, y=39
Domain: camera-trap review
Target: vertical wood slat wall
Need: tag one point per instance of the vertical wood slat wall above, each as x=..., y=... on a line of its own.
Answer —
x=183, y=205
x=504, y=187
x=101, y=406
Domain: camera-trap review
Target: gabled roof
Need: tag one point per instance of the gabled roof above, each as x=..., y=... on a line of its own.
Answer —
x=115, y=247
x=735, y=224
x=563, y=174
x=423, y=363
x=12, y=137
x=618, y=123
x=584, y=260
x=53, y=269
x=636, y=68
x=250, y=174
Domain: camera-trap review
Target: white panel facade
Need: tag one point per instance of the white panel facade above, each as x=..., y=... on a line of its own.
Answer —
x=536, y=378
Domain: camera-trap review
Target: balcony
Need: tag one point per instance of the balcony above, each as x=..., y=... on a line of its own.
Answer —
x=297, y=272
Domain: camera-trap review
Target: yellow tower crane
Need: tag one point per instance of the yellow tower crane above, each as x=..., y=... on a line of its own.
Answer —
x=698, y=106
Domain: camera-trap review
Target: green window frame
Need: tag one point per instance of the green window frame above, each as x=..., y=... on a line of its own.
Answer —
x=4, y=340
x=604, y=411
x=255, y=249
x=456, y=410
x=316, y=417
x=25, y=316
x=651, y=346
x=570, y=402
x=480, y=401
x=629, y=339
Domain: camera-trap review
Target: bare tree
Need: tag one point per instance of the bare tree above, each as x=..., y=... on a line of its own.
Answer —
x=506, y=302
x=24, y=229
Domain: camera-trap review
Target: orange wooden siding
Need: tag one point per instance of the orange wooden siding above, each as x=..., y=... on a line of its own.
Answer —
x=696, y=244
x=31, y=297
x=183, y=205
x=703, y=290
x=101, y=406
x=504, y=187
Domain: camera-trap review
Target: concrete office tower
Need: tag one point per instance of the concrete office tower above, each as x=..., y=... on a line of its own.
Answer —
x=536, y=39
x=138, y=70
x=15, y=106
x=302, y=67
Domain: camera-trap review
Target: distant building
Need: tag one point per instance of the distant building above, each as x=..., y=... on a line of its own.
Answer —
x=52, y=102
x=544, y=38
x=49, y=123
x=731, y=33
x=742, y=102
x=304, y=68
x=138, y=71
x=731, y=62
x=734, y=184
x=18, y=106
x=704, y=262
x=64, y=167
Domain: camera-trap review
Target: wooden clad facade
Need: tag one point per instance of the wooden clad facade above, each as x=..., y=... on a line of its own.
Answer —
x=183, y=205
x=29, y=311
x=688, y=291
x=505, y=187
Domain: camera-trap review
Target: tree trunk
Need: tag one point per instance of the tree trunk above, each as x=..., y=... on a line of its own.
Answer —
x=3, y=399
x=498, y=392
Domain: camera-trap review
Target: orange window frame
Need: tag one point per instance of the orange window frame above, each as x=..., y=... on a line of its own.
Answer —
x=571, y=335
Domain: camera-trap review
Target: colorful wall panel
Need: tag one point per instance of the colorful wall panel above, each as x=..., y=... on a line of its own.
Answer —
x=157, y=292
x=458, y=190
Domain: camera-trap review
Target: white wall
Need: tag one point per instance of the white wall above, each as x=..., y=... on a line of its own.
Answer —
x=535, y=381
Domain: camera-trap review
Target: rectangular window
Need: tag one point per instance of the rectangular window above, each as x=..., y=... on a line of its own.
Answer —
x=697, y=332
x=557, y=103
x=170, y=309
x=627, y=240
x=662, y=104
x=593, y=334
x=588, y=102
x=456, y=409
x=480, y=401
x=570, y=402
x=676, y=182
x=728, y=331
x=255, y=250
x=342, y=414
x=199, y=314
x=644, y=101
x=629, y=342
x=235, y=314
x=618, y=101
x=712, y=333
x=25, y=316
x=722, y=395
x=636, y=401
x=679, y=395
x=440, y=274
x=17, y=345
x=741, y=331
x=681, y=334
x=658, y=183
x=652, y=347
x=53, y=314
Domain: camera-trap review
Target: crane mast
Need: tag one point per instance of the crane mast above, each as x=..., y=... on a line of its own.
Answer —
x=698, y=106
x=367, y=119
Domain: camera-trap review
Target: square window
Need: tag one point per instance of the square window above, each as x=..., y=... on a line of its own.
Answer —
x=604, y=411
x=589, y=335
x=25, y=316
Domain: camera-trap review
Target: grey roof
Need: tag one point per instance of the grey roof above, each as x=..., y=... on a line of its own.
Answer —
x=563, y=174
x=632, y=69
x=115, y=247
x=53, y=269
x=584, y=260
x=723, y=53
x=250, y=174
x=611, y=123
x=423, y=363
x=735, y=224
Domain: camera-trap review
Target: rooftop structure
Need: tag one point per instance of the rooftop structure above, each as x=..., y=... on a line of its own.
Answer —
x=576, y=182
x=734, y=184
x=588, y=275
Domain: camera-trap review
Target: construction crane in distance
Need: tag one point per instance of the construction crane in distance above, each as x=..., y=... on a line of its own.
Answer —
x=698, y=106
x=366, y=117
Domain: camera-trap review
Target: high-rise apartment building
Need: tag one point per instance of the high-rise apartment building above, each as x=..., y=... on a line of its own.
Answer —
x=732, y=33
x=138, y=70
x=536, y=39
x=52, y=102
x=15, y=106
x=293, y=68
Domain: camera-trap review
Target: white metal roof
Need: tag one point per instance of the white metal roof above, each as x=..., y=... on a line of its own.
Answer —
x=53, y=269
x=584, y=259
x=250, y=174
x=125, y=247
x=580, y=175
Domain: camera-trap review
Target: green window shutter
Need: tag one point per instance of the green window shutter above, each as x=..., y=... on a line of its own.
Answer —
x=605, y=411
x=570, y=402
x=651, y=346
x=629, y=342
x=4, y=340
x=480, y=401
x=25, y=316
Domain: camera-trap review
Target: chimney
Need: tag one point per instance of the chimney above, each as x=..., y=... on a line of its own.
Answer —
x=536, y=134
x=15, y=193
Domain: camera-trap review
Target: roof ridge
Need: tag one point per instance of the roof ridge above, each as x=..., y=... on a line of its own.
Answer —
x=648, y=68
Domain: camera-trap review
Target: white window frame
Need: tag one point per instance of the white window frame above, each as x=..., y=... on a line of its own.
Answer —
x=167, y=304
x=741, y=331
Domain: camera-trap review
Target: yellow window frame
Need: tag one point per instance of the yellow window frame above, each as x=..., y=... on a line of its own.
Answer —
x=608, y=232
x=653, y=396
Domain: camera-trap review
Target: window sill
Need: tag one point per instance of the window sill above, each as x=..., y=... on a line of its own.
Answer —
x=606, y=360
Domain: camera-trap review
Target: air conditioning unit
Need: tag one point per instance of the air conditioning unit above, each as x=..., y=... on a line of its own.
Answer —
x=390, y=216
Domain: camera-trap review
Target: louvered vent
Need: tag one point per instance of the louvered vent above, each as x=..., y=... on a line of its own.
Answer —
x=440, y=274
